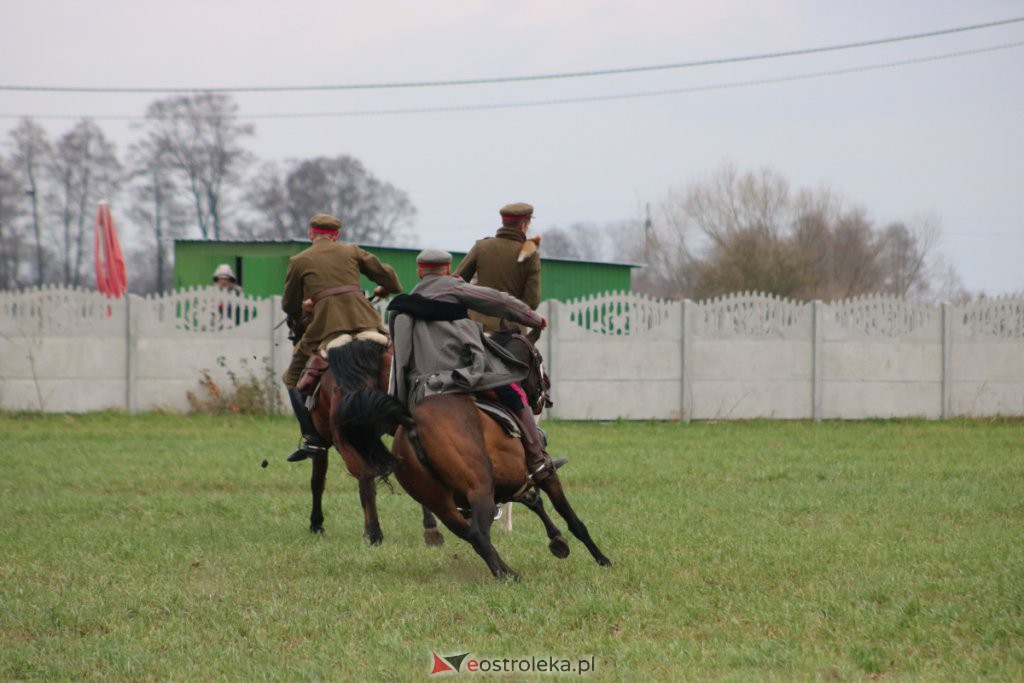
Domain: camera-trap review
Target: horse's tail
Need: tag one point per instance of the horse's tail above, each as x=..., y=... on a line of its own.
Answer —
x=365, y=412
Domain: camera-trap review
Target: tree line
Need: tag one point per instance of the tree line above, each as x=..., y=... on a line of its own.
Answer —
x=188, y=171
x=751, y=231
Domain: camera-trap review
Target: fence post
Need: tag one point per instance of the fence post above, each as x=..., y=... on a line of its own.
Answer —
x=947, y=359
x=131, y=330
x=271, y=350
x=684, y=370
x=276, y=334
x=817, y=383
x=552, y=351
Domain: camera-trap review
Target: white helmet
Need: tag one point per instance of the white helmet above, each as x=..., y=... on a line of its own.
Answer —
x=224, y=270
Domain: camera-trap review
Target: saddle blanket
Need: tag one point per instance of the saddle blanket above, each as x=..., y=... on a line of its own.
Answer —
x=501, y=415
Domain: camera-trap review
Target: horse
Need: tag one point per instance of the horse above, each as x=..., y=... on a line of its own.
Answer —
x=451, y=457
x=334, y=385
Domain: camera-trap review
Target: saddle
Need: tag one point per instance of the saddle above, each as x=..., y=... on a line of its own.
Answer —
x=537, y=384
x=309, y=379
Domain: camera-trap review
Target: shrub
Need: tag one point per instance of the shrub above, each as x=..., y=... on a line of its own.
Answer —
x=252, y=391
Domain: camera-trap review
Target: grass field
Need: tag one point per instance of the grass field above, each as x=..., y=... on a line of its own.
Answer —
x=155, y=547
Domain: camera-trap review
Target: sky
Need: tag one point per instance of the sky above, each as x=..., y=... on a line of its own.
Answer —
x=941, y=139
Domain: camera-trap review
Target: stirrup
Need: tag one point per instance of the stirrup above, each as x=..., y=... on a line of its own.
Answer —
x=555, y=465
x=308, y=448
x=525, y=490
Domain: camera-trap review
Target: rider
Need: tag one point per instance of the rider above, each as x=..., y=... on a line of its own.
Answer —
x=508, y=262
x=439, y=350
x=324, y=280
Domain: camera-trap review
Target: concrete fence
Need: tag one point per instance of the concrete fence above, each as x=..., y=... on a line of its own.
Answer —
x=74, y=350
x=609, y=356
x=751, y=355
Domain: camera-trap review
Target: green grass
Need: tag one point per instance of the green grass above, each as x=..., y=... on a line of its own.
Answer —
x=155, y=547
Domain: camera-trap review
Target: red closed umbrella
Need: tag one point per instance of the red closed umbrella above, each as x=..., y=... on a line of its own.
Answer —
x=111, y=277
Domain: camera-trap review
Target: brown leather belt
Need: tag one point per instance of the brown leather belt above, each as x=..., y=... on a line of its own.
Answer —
x=332, y=291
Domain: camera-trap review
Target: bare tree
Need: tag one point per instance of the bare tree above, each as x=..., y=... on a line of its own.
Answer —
x=156, y=208
x=268, y=197
x=374, y=211
x=753, y=234
x=741, y=221
x=85, y=169
x=732, y=204
x=661, y=244
x=580, y=240
x=837, y=253
x=905, y=255
x=200, y=137
x=11, y=238
x=31, y=150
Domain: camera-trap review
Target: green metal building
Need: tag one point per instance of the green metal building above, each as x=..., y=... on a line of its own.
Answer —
x=261, y=265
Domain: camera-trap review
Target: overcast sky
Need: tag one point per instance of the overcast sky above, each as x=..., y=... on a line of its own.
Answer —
x=943, y=138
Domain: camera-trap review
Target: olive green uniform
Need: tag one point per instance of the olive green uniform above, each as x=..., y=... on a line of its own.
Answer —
x=495, y=262
x=326, y=265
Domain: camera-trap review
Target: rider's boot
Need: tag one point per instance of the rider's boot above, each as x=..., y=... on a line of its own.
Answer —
x=538, y=462
x=312, y=444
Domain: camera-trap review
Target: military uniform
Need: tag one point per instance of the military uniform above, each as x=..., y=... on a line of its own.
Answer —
x=502, y=263
x=325, y=265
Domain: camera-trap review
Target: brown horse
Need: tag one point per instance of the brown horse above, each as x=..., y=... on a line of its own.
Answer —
x=451, y=457
x=333, y=387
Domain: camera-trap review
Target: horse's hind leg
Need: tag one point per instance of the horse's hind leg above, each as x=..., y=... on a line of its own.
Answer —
x=475, y=531
x=469, y=531
x=558, y=546
x=431, y=535
x=316, y=485
x=368, y=499
x=553, y=487
x=480, y=535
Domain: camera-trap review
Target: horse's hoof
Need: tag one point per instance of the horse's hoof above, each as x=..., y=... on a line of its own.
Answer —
x=509, y=576
x=433, y=537
x=316, y=529
x=559, y=548
x=604, y=561
x=374, y=539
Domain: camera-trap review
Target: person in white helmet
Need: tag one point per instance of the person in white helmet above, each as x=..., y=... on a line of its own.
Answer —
x=224, y=277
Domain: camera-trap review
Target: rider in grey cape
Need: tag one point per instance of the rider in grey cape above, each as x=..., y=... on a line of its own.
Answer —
x=438, y=349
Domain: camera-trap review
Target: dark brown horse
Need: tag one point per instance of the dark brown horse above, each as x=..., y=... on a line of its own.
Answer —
x=451, y=457
x=349, y=375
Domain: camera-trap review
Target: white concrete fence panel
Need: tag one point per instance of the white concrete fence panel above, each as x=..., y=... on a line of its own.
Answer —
x=614, y=355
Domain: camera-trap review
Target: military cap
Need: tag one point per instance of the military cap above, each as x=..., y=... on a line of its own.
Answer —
x=517, y=210
x=324, y=221
x=433, y=257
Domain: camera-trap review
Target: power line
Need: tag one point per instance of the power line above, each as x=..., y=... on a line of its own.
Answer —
x=1015, y=235
x=572, y=100
x=518, y=79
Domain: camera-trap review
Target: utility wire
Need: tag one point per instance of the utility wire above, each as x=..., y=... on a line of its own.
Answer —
x=518, y=79
x=572, y=100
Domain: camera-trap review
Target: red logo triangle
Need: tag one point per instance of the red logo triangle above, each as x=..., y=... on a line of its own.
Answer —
x=440, y=666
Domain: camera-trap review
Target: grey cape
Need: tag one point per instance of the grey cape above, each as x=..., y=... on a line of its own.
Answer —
x=453, y=356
